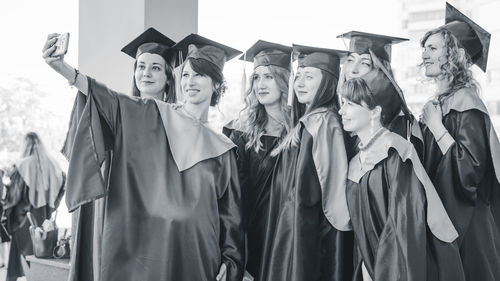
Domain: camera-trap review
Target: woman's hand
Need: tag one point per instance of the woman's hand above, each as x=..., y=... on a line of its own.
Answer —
x=222, y=273
x=49, y=48
x=432, y=116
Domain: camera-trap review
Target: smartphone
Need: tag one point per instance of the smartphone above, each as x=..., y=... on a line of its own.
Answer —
x=62, y=45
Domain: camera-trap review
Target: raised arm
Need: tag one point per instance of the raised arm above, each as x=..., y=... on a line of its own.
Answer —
x=76, y=79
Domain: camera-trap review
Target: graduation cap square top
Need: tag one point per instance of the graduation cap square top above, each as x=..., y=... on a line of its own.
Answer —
x=198, y=47
x=264, y=53
x=384, y=88
x=150, y=41
x=381, y=45
x=473, y=38
x=325, y=59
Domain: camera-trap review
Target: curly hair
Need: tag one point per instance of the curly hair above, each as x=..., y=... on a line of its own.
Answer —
x=325, y=97
x=255, y=115
x=457, y=66
x=209, y=69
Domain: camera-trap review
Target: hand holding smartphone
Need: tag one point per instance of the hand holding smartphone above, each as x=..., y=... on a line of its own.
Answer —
x=61, y=45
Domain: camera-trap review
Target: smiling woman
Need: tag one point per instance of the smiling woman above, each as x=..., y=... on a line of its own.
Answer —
x=178, y=196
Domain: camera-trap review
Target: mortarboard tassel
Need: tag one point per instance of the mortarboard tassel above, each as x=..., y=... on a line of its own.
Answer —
x=290, y=83
x=244, y=79
x=178, y=76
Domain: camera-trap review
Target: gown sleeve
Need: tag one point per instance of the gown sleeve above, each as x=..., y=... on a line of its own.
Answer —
x=232, y=235
x=463, y=167
x=93, y=123
x=400, y=252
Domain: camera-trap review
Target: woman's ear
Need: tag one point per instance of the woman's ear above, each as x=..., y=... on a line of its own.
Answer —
x=376, y=113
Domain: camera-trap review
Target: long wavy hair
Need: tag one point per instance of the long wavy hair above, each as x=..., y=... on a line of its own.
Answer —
x=254, y=113
x=170, y=96
x=457, y=66
x=325, y=97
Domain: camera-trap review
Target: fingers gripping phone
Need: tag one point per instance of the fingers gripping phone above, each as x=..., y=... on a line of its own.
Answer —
x=61, y=45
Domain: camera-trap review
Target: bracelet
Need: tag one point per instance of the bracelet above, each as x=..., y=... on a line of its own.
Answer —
x=72, y=83
x=442, y=135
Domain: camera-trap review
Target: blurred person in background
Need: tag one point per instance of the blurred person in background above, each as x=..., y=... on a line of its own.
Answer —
x=36, y=186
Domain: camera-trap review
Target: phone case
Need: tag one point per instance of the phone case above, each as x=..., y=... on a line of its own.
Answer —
x=62, y=45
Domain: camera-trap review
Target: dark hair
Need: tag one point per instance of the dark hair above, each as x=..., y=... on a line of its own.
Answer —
x=457, y=66
x=356, y=90
x=209, y=69
x=169, y=87
x=32, y=144
x=325, y=97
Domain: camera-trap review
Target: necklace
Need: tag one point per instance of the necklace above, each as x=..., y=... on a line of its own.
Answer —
x=374, y=137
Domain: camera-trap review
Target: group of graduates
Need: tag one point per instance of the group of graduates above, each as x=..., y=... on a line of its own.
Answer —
x=325, y=175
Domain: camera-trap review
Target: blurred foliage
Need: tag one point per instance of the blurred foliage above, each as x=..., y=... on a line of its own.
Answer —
x=23, y=108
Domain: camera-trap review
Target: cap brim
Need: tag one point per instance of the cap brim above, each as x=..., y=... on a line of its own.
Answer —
x=302, y=49
x=262, y=45
x=380, y=37
x=182, y=46
x=453, y=14
x=150, y=35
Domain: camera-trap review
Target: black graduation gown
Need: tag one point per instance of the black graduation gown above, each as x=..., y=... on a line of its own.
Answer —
x=306, y=246
x=173, y=208
x=387, y=204
x=255, y=170
x=467, y=181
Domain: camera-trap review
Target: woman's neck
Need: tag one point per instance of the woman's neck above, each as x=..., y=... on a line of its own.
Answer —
x=156, y=96
x=275, y=112
x=198, y=111
x=443, y=85
x=365, y=135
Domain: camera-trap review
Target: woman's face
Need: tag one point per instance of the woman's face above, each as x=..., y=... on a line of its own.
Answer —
x=150, y=76
x=434, y=55
x=306, y=84
x=197, y=88
x=265, y=87
x=357, y=65
x=355, y=117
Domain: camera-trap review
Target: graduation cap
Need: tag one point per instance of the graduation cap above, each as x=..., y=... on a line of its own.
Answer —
x=325, y=59
x=381, y=45
x=264, y=53
x=198, y=47
x=384, y=88
x=473, y=38
x=150, y=41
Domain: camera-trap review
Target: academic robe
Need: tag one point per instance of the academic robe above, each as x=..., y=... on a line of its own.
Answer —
x=255, y=171
x=27, y=194
x=173, y=209
x=465, y=168
x=402, y=231
x=311, y=239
